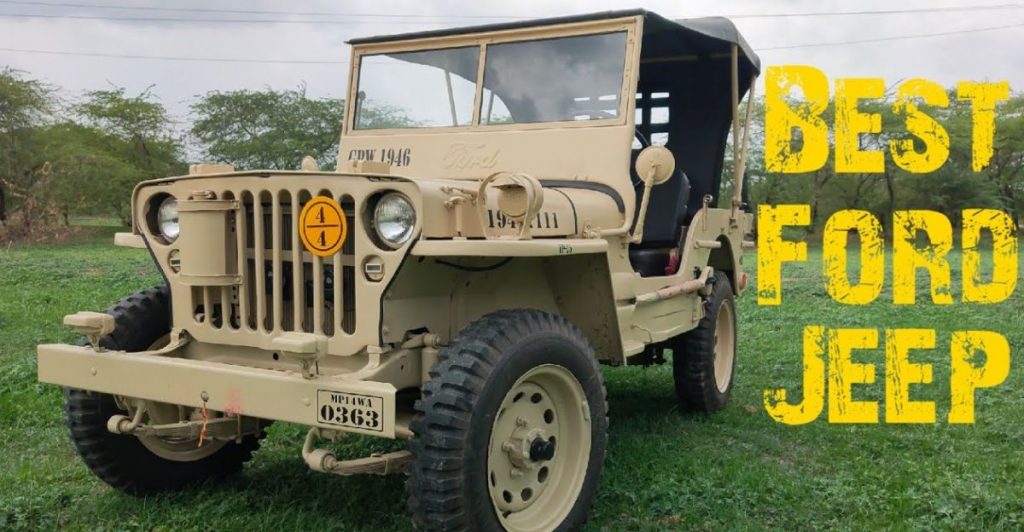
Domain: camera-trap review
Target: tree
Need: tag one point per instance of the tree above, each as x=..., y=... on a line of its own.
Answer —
x=268, y=129
x=52, y=168
x=119, y=141
x=87, y=177
x=1007, y=167
x=25, y=105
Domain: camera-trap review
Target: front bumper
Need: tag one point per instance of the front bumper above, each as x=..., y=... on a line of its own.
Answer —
x=253, y=392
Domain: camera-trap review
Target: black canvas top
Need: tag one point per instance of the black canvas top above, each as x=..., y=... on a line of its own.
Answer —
x=707, y=35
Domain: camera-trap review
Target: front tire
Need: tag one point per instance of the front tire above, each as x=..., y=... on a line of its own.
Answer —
x=511, y=430
x=128, y=463
x=704, y=359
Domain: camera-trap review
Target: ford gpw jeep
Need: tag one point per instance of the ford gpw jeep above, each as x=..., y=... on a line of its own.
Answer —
x=513, y=204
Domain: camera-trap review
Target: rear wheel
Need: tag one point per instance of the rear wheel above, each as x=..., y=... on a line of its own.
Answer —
x=148, y=464
x=704, y=359
x=512, y=428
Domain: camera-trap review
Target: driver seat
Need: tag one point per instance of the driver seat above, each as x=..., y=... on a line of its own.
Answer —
x=663, y=226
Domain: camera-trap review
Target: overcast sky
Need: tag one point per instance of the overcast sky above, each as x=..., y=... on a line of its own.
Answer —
x=988, y=55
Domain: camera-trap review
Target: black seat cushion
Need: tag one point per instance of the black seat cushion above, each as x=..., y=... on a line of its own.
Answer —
x=649, y=262
x=666, y=213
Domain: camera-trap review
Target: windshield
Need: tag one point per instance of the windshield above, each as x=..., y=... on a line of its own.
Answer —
x=553, y=80
x=547, y=80
x=433, y=88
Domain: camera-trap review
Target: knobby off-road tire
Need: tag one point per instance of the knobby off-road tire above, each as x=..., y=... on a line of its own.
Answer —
x=511, y=429
x=704, y=359
x=123, y=461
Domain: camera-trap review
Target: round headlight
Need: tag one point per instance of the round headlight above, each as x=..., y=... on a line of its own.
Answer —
x=167, y=219
x=394, y=219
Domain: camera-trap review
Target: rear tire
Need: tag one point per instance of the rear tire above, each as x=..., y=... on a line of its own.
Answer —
x=704, y=359
x=500, y=438
x=124, y=461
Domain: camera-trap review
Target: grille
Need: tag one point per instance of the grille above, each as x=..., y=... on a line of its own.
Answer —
x=283, y=287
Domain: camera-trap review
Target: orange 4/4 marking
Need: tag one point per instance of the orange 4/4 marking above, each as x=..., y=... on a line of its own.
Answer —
x=322, y=226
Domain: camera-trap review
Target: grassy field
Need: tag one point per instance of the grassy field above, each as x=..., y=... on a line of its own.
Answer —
x=738, y=469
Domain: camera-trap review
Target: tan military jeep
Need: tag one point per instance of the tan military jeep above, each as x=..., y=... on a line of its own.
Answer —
x=513, y=204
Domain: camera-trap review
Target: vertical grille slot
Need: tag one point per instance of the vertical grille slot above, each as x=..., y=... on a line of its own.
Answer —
x=297, y=267
x=228, y=310
x=347, y=302
x=243, y=224
x=274, y=322
x=259, y=258
x=337, y=285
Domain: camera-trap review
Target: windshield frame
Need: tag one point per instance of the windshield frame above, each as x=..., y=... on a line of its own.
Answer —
x=630, y=25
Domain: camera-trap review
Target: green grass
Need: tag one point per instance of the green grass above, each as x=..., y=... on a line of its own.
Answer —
x=737, y=469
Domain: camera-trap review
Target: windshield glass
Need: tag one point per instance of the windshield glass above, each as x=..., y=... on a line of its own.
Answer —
x=433, y=88
x=551, y=80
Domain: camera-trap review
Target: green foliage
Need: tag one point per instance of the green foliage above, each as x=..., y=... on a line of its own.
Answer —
x=381, y=116
x=24, y=106
x=88, y=175
x=87, y=161
x=132, y=118
x=1007, y=168
x=134, y=135
x=268, y=129
x=24, y=103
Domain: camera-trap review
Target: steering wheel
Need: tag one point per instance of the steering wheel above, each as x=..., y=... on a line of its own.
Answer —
x=600, y=114
x=644, y=143
x=637, y=181
x=595, y=114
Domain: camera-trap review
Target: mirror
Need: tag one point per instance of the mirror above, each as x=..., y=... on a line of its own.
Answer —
x=655, y=163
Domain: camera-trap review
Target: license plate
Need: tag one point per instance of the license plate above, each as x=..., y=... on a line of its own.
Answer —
x=352, y=410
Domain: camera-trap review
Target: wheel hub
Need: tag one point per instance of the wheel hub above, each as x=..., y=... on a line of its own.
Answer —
x=520, y=447
x=542, y=413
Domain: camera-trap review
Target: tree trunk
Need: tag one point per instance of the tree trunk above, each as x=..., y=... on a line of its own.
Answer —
x=821, y=178
x=27, y=213
x=1011, y=202
x=891, y=189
